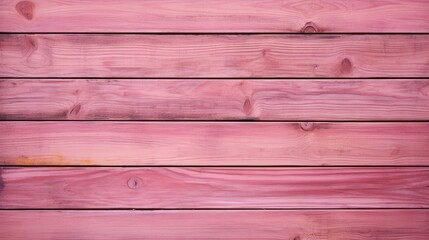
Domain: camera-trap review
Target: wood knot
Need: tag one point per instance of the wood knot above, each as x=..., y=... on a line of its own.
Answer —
x=30, y=45
x=134, y=182
x=75, y=109
x=247, y=107
x=264, y=52
x=310, y=27
x=346, y=66
x=307, y=126
x=25, y=9
x=297, y=238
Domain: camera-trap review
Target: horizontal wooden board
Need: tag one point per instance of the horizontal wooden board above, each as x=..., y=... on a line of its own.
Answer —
x=214, y=16
x=62, y=55
x=213, y=143
x=190, y=99
x=196, y=188
x=295, y=225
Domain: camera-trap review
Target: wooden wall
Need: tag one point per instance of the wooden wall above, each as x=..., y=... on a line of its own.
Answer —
x=216, y=119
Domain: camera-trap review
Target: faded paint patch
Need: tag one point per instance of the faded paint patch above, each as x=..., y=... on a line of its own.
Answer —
x=86, y=162
x=50, y=160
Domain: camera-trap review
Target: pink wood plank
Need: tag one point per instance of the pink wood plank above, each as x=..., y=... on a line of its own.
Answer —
x=214, y=16
x=191, y=99
x=213, y=143
x=44, y=187
x=296, y=225
x=214, y=56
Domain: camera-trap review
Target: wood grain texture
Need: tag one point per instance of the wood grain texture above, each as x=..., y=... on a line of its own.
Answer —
x=196, y=188
x=296, y=225
x=191, y=99
x=214, y=55
x=214, y=16
x=213, y=143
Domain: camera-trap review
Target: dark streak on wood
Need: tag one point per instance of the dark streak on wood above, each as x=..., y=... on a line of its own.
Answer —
x=29, y=45
x=76, y=109
x=1, y=180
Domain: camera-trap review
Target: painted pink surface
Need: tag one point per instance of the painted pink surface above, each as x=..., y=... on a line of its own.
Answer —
x=296, y=225
x=287, y=169
x=214, y=16
x=187, y=56
x=213, y=143
x=209, y=187
x=198, y=99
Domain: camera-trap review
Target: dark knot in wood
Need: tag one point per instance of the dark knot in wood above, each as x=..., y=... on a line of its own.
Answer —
x=247, y=106
x=346, y=66
x=75, y=109
x=310, y=27
x=30, y=45
x=307, y=126
x=25, y=9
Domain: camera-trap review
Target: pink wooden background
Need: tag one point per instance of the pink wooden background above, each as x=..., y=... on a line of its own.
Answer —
x=215, y=119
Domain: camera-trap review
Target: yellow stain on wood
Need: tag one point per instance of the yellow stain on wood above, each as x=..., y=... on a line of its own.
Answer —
x=49, y=160
x=86, y=162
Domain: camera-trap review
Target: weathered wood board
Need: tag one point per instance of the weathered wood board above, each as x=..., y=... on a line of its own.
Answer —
x=201, y=188
x=229, y=99
x=231, y=224
x=213, y=143
x=214, y=16
x=214, y=56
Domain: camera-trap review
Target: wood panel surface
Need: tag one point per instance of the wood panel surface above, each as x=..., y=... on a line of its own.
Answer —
x=213, y=143
x=196, y=188
x=296, y=225
x=214, y=16
x=191, y=99
x=242, y=119
x=187, y=56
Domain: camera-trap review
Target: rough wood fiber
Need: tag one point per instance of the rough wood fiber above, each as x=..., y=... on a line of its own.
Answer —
x=296, y=225
x=210, y=187
x=214, y=56
x=214, y=16
x=191, y=99
x=213, y=143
